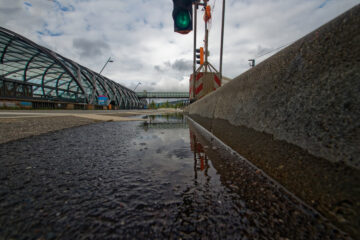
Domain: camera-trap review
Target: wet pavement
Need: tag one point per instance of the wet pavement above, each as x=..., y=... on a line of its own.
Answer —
x=143, y=180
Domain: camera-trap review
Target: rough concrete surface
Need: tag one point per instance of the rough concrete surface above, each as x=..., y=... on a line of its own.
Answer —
x=16, y=128
x=307, y=94
x=24, y=123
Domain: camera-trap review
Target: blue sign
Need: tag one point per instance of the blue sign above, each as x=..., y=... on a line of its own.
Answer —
x=26, y=104
x=102, y=100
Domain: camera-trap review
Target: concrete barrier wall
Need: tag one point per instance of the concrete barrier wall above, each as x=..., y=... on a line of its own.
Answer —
x=297, y=116
x=308, y=94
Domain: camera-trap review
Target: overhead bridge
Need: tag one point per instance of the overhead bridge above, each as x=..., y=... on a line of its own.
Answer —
x=162, y=95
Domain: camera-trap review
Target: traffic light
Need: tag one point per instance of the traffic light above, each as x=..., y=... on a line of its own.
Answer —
x=200, y=56
x=252, y=62
x=182, y=15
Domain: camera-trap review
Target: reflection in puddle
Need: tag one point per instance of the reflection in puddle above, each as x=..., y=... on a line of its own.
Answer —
x=169, y=121
x=193, y=189
x=201, y=161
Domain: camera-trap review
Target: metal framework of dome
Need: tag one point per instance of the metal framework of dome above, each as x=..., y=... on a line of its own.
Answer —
x=30, y=71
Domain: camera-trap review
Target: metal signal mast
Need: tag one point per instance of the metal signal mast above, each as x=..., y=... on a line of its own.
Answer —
x=205, y=65
x=185, y=20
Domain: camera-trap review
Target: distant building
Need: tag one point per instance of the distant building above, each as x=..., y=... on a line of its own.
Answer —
x=34, y=76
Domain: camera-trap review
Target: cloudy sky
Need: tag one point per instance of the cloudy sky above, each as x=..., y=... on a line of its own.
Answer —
x=138, y=34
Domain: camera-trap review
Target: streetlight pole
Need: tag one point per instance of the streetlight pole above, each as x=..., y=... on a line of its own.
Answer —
x=137, y=86
x=109, y=60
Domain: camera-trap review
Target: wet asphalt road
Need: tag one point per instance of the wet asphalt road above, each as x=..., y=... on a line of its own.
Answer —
x=130, y=180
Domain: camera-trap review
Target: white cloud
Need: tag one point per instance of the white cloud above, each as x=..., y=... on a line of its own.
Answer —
x=138, y=34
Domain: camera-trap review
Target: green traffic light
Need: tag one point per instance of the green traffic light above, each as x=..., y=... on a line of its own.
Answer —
x=182, y=19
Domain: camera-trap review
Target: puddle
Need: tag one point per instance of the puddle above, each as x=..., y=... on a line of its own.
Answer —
x=201, y=189
x=159, y=179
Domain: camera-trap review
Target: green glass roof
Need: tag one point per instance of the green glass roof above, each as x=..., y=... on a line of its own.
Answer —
x=54, y=76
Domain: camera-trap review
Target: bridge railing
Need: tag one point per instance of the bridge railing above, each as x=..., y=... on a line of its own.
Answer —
x=162, y=94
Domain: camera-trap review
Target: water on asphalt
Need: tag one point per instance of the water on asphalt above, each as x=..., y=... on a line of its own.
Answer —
x=150, y=180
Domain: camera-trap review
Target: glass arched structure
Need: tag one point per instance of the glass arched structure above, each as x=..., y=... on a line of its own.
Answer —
x=30, y=71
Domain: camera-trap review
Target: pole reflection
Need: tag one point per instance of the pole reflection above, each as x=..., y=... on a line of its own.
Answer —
x=201, y=160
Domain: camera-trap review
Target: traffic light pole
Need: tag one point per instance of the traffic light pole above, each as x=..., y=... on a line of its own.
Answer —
x=222, y=39
x=206, y=65
x=206, y=40
x=194, y=64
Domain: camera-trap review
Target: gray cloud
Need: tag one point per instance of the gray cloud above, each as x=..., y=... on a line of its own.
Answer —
x=127, y=63
x=262, y=50
x=182, y=65
x=139, y=34
x=90, y=48
x=9, y=8
x=157, y=68
x=179, y=65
